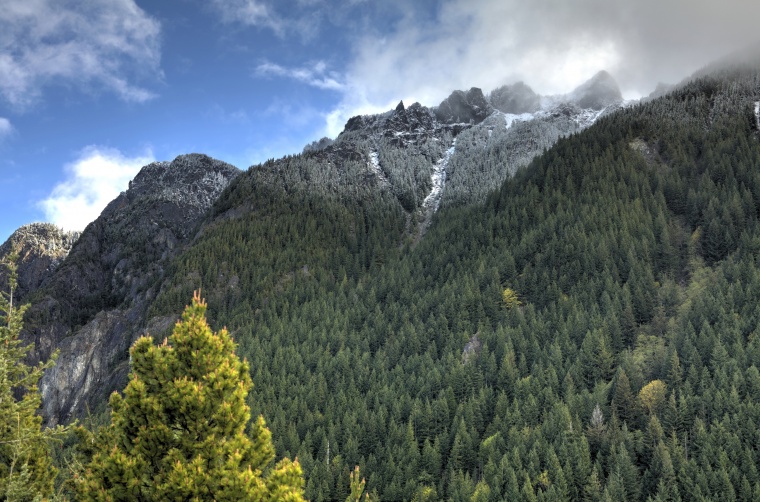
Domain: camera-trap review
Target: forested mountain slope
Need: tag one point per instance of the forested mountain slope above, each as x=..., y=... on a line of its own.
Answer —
x=386, y=174
x=626, y=369
x=629, y=372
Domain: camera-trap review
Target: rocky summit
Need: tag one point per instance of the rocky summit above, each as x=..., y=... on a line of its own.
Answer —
x=41, y=247
x=93, y=305
x=460, y=106
x=516, y=99
x=598, y=93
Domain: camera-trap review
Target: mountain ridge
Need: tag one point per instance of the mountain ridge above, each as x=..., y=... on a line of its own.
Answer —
x=167, y=200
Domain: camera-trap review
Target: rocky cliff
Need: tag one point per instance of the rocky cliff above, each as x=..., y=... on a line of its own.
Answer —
x=41, y=248
x=94, y=304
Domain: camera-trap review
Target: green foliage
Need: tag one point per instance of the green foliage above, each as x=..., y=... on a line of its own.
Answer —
x=356, y=341
x=26, y=472
x=179, y=430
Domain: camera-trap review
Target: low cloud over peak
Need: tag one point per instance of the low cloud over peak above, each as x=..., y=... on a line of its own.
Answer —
x=550, y=45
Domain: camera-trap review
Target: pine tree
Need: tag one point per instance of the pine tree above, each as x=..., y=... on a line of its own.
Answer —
x=25, y=465
x=178, y=432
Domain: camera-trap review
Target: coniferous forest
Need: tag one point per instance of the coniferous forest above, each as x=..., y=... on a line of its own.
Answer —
x=591, y=331
x=623, y=364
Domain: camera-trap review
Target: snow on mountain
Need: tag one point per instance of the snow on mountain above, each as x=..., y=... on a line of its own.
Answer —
x=510, y=118
x=438, y=180
x=497, y=134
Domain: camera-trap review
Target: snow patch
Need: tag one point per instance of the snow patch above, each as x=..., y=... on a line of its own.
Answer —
x=438, y=180
x=374, y=166
x=587, y=117
x=510, y=118
x=757, y=113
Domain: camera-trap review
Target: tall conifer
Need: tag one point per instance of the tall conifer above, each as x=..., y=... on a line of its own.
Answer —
x=25, y=467
x=178, y=432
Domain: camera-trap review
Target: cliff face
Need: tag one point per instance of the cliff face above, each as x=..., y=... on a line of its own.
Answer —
x=41, y=248
x=93, y=306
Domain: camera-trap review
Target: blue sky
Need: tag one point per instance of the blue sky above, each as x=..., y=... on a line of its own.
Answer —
x=92, y=90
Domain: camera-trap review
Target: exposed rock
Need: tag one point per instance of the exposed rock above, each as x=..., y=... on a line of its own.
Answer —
x=41, y=248
x=599, y=92
x=90, y=366
x=354, y=124
x=471, y=349
x=94, y=305
x=469, y=107
x=516, y=98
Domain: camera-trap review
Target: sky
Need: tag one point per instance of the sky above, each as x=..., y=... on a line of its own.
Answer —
x=91, y=90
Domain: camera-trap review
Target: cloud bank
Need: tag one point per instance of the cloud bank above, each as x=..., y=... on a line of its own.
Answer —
x=109, y=43
x=93, y=180
x=552, y=45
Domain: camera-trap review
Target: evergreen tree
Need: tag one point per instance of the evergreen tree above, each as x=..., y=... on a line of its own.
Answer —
x=178, y=433
x=26, y=472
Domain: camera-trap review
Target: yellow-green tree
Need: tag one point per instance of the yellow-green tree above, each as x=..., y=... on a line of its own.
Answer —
x=652, y=395
x=25, y=467
x=510, y=298
x=178, y=433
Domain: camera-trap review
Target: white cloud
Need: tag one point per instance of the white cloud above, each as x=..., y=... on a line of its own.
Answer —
x=249, y=13
x=93, y=180
x=316, y=76
x=551, y=45
x=5, y=127
x=108, y=43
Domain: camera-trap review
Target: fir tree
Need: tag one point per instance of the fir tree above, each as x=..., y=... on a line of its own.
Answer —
x=26, y=472
x=178, y=433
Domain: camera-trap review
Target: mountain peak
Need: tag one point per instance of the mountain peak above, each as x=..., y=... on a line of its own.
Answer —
x=460, y=106
x=192, y=179
x=516, y=98
x=598, y=92
x=41, y=248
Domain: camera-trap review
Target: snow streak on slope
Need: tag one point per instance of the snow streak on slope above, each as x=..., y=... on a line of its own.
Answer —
x=510, y=118
x=757, y=113
x=374, y=166
x=587, y=117
x=438, y=180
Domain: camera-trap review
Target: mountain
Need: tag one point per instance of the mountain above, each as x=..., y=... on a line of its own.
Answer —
x=631, y=244
x=41, y=247
x=559, y=303
x=407, y=163
x=92, y=306
x=598, y=93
